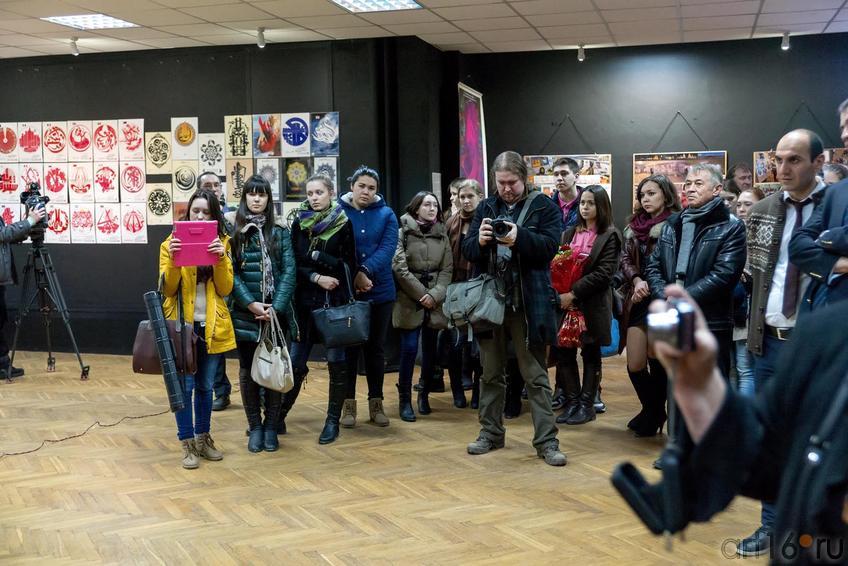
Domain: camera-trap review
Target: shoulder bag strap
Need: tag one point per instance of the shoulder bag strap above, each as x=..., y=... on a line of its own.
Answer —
x=348, y=281
x=526, y=208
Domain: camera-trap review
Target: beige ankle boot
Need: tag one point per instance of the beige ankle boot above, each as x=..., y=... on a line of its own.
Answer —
x=375, y=409
x=205, y=447
x=190, y=461
x=348, y=419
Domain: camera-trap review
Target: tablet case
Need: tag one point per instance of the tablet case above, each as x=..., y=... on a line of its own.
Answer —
x=195, y=237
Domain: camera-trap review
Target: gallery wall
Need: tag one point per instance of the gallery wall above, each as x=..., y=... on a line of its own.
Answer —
x=738, y=96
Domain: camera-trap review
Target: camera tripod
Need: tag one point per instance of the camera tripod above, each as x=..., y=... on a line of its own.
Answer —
x=41, y=282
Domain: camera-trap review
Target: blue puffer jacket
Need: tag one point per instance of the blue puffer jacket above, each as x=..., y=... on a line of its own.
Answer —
x=376, y=232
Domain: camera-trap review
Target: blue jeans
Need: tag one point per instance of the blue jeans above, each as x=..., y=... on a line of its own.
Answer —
x=200, y=384
x=300, y=354
x=744, y=368
x=409, y=351
x=765, y=366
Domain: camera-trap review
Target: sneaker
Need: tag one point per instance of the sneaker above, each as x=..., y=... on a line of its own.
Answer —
x=756, y=544
x=190, y=461
x=483, y=445
x=221, y=403
x=552, y=455
x=205, y=447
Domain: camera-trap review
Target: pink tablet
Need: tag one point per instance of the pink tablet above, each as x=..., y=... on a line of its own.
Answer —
x=195, y=237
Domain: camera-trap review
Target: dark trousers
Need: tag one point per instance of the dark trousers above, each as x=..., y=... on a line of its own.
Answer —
x=375, y=354
x=4, y=318
x=222, y=387
x=725, y=351
x=765, y=366
x=409, y=351
x=250, y=397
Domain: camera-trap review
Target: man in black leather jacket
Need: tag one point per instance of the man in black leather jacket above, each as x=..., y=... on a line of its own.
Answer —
x=702, y=248
x=15, y=232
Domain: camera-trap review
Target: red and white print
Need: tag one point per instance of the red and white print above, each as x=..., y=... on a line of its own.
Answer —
x=107, y=223
x=82, y=224
x=104, y=140
x=58, y=224
x=131, y=139
x=9, y=142
x=31, y=173
x=10, y=183
x=80, y=182
x=80, y=145
x=105, y=182
x=56, y=182
x=54, y=140
x=132, y=180
x=29, y=141
x=133, y=223
x=10, y=213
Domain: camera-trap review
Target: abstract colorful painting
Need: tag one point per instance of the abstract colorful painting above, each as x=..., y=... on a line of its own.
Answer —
x=325, y=134
x=472, y=136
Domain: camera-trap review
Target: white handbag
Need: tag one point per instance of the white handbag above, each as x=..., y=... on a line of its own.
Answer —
x=272, y=366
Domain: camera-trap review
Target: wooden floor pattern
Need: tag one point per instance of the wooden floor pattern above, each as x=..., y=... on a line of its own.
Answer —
x=404, y=494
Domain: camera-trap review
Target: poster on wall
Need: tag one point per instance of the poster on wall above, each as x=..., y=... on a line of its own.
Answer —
x=296, y=135
x=472, y=136
x=56, y=182
x=80, y=182
x=82, y=224
x=238, y=136
x=107, y=223
x=836, y=155
x=211, y=153
x=58, y=224
x=270, y=170
x=184, y=145
x=765, y=172
x=673, y=165
x=266, y=135
x=157, y=148
x=238, y=171
x=105, y=140
x=325, y=134
x=29, y=142
x=328, y=166
x=106, y=182
x=9, y=183
x=31, y=173
x=79, y=140
x=184, y=180
x=54, y=139
x=159, y=204
x=133, y=223
x=11, y=213
x=297, y=172
x=9, y=142
x=132, y=181
x=594, y=169
x=131, y=139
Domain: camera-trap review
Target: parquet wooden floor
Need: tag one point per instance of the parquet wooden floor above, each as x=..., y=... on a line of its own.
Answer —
x=404, y=494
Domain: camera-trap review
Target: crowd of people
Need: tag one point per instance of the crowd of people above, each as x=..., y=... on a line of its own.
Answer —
x=752, y=264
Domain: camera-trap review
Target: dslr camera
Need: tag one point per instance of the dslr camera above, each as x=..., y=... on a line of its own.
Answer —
x=32, y=198
x=500, y=227
x=676, y=325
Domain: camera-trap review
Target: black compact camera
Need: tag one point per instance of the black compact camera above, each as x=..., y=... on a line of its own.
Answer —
x=500, y=226
x=32, y=198
x=676, y=325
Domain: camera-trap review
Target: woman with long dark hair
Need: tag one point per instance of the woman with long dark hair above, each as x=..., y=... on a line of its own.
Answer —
x=656, y=200
x=264, y=281
x=376, y=230
x=597, y=238
x=201, y=291
x=422, y=267
x=323, y=241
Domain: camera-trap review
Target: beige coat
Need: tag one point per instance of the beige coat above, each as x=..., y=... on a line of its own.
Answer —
x=417, y=255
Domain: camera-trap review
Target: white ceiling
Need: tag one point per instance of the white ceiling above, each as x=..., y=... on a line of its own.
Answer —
x=469, y=26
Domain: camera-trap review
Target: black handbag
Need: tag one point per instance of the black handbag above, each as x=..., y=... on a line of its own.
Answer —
x=345, y=325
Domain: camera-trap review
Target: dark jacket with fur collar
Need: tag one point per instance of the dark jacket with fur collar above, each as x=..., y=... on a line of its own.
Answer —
x=633, y=265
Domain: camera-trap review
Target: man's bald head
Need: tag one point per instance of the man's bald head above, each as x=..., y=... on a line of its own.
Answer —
x=811, y=139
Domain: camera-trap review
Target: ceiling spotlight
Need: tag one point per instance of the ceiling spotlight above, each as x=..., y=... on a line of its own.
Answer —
x=581, y=53
x=260, y=38
x=785, y=43
x=74, y=48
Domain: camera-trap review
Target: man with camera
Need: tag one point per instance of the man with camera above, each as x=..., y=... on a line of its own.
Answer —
x=513, y=236
x=9, y=234
x=702, y=248
x=789, y=445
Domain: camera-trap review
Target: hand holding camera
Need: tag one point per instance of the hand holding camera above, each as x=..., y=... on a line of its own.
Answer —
x=501, y=228
x=37, y=214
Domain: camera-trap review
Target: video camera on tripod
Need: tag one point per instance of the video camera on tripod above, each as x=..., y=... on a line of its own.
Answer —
x=32, y=199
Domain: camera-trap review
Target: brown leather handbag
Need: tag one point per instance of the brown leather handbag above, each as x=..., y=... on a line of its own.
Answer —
x=146, y=356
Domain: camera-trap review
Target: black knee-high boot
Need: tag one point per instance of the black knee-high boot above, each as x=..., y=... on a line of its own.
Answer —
x=568, y=377
x=657, y=392
x=586, y=407
x=289, y=399
x=252, y=410
x=338, y=390
x=641, y=384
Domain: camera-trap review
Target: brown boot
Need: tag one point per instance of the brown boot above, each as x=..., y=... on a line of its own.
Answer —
x=348, y=419
x=190, y=461
x=205, y=447
x=375, y=410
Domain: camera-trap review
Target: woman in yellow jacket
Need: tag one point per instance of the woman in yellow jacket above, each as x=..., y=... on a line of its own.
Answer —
x=203, y=290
